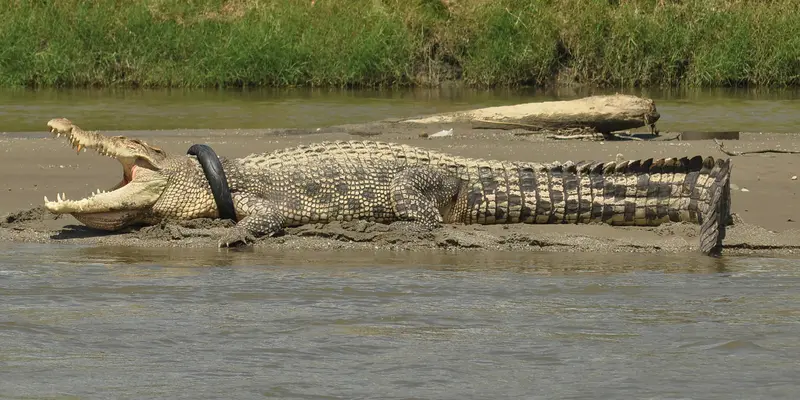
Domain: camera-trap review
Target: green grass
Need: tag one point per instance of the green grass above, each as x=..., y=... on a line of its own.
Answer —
x=215, y=43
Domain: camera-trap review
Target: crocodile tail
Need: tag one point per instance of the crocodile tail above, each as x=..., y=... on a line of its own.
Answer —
x=715, y=215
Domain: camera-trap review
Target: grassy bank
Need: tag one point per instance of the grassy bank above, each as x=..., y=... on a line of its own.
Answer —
x=392, y=42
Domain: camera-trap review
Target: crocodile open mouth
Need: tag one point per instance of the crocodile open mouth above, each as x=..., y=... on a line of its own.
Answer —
x=101, y=147
x=106, y=208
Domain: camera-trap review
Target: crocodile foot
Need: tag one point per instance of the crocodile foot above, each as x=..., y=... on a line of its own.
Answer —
x=236, y=237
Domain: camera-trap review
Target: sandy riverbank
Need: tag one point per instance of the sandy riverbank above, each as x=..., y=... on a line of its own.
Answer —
x=35, y=165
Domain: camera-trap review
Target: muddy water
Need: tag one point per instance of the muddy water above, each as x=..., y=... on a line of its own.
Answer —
x=175, y=323
x=26, y=110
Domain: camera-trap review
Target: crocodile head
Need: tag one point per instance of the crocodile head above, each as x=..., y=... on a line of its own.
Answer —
x=130, y=201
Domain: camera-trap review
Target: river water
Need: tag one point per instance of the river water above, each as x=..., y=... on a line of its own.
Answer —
x=128, y=323
x=115, y=109
x=81, y=322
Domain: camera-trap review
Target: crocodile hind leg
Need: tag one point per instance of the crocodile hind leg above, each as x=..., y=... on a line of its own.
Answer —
x=262, y=218
x=420, y=195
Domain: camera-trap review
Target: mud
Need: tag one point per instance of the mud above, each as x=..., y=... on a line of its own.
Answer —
x=29, y=226
x=764, y=195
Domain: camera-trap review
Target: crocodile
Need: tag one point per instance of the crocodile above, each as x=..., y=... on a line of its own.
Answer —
x=397, y=184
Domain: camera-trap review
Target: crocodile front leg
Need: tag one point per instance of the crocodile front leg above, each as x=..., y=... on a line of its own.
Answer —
x=262, y=218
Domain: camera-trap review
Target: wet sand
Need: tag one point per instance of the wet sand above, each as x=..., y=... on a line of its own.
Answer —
x=36, y=164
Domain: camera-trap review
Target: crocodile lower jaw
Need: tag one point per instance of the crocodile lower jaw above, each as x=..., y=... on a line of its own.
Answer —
x=130, y=196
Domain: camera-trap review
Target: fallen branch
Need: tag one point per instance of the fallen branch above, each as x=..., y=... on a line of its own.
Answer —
x=576, y=137
x=594, y=136
x=623, y=136
x=741, y=153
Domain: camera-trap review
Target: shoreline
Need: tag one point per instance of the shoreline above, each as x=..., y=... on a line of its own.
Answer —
x=38, y=164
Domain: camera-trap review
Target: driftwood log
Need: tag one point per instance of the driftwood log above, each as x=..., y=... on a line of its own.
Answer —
x=603, y=114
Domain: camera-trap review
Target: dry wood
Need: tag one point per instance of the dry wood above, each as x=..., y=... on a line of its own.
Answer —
x=603, y=114
x=593, y=136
